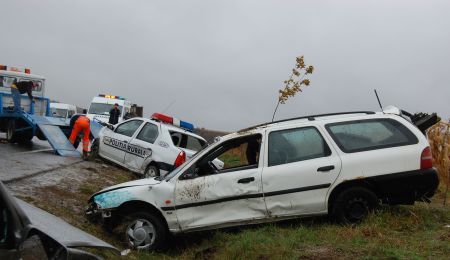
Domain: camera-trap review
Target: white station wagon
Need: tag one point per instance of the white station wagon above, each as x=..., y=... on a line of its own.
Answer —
x=342, y=164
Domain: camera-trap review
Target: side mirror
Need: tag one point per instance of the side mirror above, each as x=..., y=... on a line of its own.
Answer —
x=41, y=246
x=191, y=173
x=111, y=127
x=32, y=248
x=213, y=167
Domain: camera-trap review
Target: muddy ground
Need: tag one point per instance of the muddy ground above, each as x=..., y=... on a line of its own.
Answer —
x=65, y=191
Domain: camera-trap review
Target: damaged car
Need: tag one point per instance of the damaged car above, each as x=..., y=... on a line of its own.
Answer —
x=149, y=147
x=27, y=232
x=340, y=164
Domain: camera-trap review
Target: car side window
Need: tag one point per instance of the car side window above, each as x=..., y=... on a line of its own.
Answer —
x=194, y=144
x=176, y=138
x=371, y=134
x=294, y=145
x=149, y=133
x=128, y=128
x=70, y=114
x=234, y=155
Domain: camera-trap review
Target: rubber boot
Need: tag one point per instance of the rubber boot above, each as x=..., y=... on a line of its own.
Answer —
x=85, y=155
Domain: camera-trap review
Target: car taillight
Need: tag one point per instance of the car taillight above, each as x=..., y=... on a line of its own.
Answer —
x=426, y=160
x=181, y=158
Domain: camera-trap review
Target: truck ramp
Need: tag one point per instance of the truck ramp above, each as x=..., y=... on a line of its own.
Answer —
x=58, y=140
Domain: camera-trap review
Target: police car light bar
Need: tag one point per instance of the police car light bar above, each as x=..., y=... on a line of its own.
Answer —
x=173, y=121
x=111, y=96
x=15, y=69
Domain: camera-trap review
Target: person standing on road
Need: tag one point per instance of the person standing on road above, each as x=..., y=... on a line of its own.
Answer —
x=114, y=114
x=81, y=123
x=18, y=88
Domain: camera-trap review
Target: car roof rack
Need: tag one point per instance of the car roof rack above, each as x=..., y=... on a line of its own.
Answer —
x=310, y=118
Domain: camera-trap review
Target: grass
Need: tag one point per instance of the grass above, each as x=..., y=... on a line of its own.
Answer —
x=401, y=232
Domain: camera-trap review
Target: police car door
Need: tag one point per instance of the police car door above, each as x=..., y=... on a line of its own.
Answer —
x=141, y=147
x=115, y=143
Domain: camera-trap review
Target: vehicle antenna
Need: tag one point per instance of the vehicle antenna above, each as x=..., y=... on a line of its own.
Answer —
x=165, y=109
x=379, y=102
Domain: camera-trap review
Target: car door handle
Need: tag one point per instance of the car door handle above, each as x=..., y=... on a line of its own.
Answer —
x=246, y=180
x=326, y=168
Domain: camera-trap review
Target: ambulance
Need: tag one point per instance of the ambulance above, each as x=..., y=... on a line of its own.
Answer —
x=102, y=104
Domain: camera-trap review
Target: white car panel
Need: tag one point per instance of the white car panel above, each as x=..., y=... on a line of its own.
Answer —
x=212, y=188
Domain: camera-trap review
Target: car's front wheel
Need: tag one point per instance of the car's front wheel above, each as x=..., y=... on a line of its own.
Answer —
x=94, y=149
x=144, y=231
x=354, y=204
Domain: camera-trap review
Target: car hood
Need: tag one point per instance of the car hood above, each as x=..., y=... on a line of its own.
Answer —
x=141, y=182
x=60, y=230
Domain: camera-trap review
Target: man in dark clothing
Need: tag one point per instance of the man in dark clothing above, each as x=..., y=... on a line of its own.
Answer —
x=114, y=114
x=18, y=88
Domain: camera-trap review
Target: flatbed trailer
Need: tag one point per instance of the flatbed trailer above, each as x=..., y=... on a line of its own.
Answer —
x=35, y=120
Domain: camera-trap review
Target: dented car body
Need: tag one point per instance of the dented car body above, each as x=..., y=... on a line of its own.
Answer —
x=339, y=164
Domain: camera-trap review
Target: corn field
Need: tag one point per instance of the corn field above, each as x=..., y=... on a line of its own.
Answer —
x=439, y=138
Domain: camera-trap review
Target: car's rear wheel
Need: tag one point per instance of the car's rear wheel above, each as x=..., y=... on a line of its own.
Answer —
x=151, y=171
x=144, y=231
x=354, y=204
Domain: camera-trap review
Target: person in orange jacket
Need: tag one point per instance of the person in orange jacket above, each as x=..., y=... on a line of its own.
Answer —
x=80, y=123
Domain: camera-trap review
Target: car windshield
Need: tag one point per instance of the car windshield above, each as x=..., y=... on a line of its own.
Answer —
x=6, y=81
x=59, y=112
x=101, y=108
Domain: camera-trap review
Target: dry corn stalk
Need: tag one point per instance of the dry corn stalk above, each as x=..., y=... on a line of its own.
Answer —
x=439, y=138
x=296, y=81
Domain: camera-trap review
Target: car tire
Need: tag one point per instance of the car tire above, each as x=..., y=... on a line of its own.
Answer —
x=22, y=137
x=25, y=137
x=151, y=171
x=144, y=231
x=11, y=136
x=94, y=150
x=353, y=205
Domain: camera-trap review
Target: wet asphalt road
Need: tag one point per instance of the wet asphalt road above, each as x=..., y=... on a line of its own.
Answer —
x=22, y=161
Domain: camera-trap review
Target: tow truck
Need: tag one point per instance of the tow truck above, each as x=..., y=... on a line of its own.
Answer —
x=36, y=118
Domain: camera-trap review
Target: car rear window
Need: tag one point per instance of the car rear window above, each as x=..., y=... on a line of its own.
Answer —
x=371, y=134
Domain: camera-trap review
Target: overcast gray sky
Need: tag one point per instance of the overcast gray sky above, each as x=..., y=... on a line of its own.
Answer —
x=222, y=62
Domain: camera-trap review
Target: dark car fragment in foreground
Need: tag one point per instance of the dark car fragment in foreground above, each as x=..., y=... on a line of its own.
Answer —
x=27, y=232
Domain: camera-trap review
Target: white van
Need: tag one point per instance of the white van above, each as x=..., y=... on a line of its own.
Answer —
x=101, y=105
x=62, y=110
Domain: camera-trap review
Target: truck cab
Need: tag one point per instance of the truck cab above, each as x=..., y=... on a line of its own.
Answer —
x=102, y=104
x=7, y=77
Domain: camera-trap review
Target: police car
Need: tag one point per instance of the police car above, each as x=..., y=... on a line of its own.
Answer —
x=151, y=147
